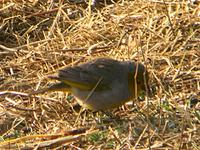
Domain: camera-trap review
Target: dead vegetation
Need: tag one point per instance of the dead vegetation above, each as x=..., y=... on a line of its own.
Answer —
x=39, y=37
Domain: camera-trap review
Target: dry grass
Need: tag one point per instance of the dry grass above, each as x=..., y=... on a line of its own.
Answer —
x=39, y=37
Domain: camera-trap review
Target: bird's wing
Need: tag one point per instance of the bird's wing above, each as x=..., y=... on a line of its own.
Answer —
x=97, y=73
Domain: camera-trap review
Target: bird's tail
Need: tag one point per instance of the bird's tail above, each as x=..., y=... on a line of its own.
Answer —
x=54, y=87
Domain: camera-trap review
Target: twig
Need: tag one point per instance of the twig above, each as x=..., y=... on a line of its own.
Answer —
x=47, y=144
x=41, y=13
x=13, y=92
x=121, y=38
x=167, y=13
x=114, y=134
x=6, y=7
x=83, y=49
x=20, y=108
x=140, y=137
x=9, y=50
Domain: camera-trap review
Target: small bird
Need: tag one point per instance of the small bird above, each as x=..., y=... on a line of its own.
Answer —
x=102, y=83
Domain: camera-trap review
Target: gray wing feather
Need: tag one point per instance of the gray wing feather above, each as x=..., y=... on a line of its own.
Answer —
x=91, y=72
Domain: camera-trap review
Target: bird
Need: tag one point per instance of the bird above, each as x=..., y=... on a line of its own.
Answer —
x=101, y=83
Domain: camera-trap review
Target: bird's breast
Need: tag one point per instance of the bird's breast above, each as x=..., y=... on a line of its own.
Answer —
x=105, y=99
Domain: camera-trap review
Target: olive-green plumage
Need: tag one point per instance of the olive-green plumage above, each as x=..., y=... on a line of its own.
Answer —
x=102, y=83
